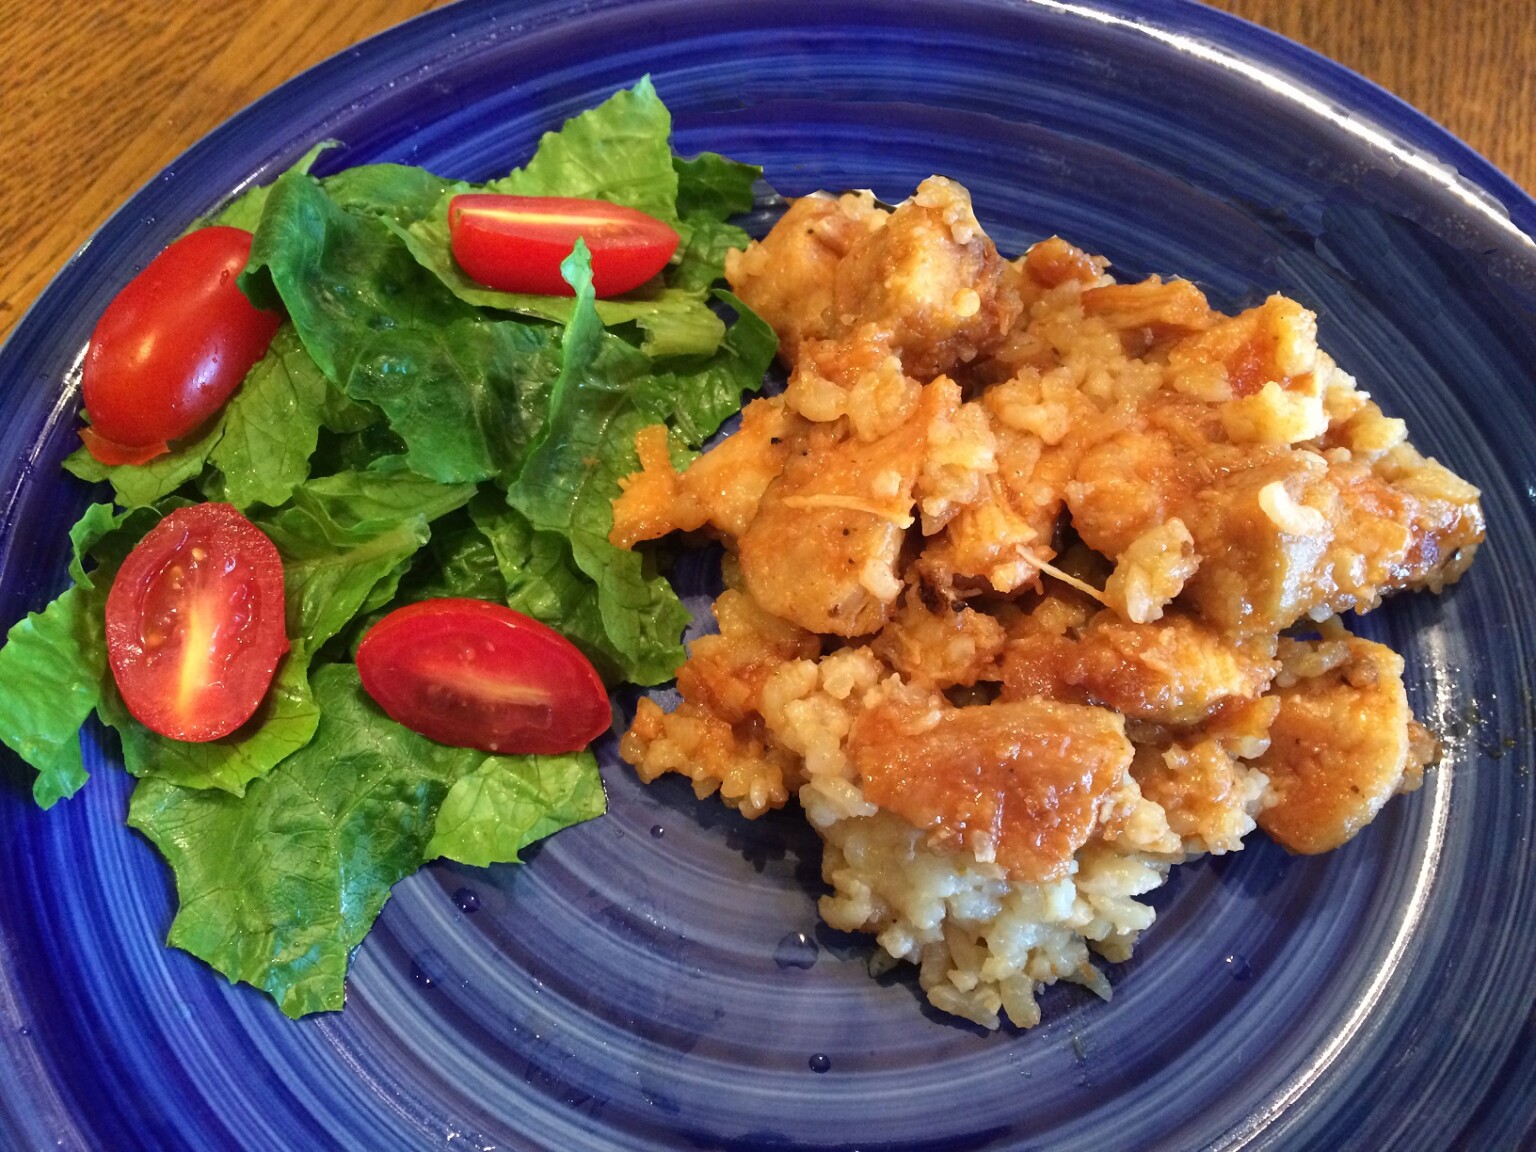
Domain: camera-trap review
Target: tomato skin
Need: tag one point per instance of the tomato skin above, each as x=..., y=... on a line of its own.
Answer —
x=195, y=624
x=173, y=345
x=110, y=452
x=516, y=243
x=475, y=674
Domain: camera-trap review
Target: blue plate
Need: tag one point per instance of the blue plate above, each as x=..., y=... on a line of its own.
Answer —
x=657, y=979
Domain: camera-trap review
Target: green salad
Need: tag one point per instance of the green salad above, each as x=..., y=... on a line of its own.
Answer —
x=410, y=433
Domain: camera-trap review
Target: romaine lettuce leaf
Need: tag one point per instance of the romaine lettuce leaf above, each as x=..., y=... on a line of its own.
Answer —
x=464, y=393
x=54, y=662
x=541, y=579
x=396, y=193
x=606, y=393
x=619, y=151
x=465, y=398
x=142, y=485
x=344, y=277
x=347, y=539
x=245, y=210
x=270, y=427
x=52, y=667
x=461, y=563
x=283, y=724
x=712, y=185
x=710, y=189
x=507, y=803
x=277, y=888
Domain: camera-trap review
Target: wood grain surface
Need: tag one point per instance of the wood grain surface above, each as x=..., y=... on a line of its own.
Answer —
x=96, y=98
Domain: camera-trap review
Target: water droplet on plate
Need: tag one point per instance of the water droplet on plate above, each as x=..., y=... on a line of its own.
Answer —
x=426, y=969
x=796, y=950
x=658, y=831
x=467, y=899
x=820, y=1062
x=1238, y=967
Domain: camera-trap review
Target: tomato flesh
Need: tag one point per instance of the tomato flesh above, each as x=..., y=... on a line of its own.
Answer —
x=475, y=674
x=172, y=347
x=517, y=243
x=195, y=625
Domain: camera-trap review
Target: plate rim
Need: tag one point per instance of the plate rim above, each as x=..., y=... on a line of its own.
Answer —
x=1323, y=75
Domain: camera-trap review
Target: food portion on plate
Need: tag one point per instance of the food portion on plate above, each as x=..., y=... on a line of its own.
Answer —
x=1033, y=578
x=1034, y=584
x=352, y=606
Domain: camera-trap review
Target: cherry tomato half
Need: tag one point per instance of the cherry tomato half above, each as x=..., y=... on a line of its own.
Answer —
x=516, y=243
x=172, y=346
x=478, y=675
x=195, y=623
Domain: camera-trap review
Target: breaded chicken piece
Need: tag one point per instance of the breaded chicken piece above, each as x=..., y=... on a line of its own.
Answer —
x=998, y=539
x=1175, y=672
x=1343, y=744
x=1280, y=533
x=822, y=550
x=787, y=277
x=720, y=489
x=932, y=280
x=937, y=641
x=925, y=277
x=1019, y=782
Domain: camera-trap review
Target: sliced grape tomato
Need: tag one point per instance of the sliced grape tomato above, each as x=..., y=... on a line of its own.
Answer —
x=172, y=346
x=476, y=674
x=195, y=624
x=516, y=243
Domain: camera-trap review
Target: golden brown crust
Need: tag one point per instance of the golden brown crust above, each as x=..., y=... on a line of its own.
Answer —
x=1019, y=782
x=1344, y=742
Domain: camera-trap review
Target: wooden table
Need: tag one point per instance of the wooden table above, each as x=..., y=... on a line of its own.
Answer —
x=97, y=98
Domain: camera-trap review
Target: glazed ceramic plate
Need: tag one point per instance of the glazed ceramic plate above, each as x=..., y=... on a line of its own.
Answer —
x=657, y=979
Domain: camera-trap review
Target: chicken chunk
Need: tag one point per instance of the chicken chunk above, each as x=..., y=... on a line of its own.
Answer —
x=1174, y=672
x=1344, y=742
x=822, y=550
x=999, y=538
x=1019, y=782
x=1279, y=533
x=787, y=277
x=932, y=280
x=721, y=488
x=925, y=276
x=935, y=640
